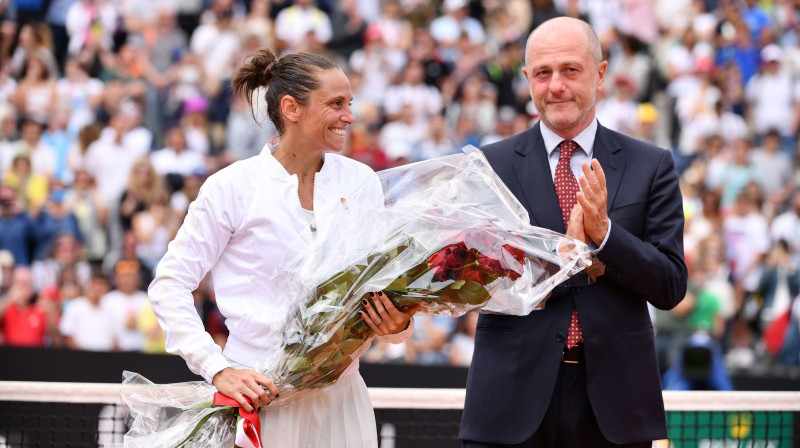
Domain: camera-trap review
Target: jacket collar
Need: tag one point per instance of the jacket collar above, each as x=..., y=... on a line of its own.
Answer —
x=276, y=170
x=535, y=181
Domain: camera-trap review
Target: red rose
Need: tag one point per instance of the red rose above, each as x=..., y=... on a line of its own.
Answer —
x=518, y=254
x=447, y=262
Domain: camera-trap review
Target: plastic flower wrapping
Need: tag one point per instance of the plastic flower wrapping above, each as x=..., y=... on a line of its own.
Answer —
x=450, y=236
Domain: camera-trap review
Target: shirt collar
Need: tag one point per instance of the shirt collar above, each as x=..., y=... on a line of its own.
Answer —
x=585, y=139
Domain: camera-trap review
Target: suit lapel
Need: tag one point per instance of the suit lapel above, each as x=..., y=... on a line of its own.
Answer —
x=532, y=170
x=606, y=151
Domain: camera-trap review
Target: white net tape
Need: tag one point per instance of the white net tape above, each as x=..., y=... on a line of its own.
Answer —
x=401, y=398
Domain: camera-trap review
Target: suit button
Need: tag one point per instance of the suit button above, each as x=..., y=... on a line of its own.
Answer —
x=559, y=337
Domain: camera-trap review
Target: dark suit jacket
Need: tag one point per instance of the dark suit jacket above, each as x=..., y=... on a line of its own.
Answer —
x=516, y=358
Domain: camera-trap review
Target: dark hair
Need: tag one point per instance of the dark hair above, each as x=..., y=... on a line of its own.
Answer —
x=292, y=75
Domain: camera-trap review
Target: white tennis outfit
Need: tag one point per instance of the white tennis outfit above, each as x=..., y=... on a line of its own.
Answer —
x=246, y=224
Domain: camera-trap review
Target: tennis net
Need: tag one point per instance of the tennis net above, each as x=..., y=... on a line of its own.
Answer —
x=37, y=414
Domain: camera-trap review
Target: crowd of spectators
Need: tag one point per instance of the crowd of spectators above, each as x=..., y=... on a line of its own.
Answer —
x=113, y=113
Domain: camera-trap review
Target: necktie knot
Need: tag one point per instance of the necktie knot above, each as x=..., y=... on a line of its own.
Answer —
x=568, y=147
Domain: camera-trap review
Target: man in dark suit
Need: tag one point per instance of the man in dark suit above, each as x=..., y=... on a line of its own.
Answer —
x=581, y=372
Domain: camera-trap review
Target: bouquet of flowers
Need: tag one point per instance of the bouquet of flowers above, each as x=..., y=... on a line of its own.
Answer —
x=451, y=237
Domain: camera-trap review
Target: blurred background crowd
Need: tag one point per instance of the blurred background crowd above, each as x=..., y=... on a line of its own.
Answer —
x=113, y=113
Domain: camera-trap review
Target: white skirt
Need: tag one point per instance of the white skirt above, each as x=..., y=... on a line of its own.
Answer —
x=339, y=416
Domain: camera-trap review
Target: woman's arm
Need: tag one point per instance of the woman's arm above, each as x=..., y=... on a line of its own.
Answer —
x=208, y=227
x=201, y=240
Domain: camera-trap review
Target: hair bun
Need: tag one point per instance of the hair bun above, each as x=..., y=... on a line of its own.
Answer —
x=262, y=62
x=255, y=73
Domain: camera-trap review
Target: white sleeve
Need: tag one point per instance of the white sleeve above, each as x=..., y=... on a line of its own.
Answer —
x=202, y=238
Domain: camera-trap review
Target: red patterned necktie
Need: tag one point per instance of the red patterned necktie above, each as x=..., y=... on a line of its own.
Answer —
x=566, y=190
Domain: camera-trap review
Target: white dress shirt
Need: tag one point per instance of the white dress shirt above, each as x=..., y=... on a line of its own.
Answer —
x=247, y=228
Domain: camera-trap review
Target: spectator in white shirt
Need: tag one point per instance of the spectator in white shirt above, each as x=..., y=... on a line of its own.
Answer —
x=774, y=167
x=425, y=100
x=176, y=157
x=773, y=97
x=300, y=21
x=217, y=44
x=125, y=302
x=786, y=227
x=447, y=29
x=110, y=159
x=404, y=129
x=87, y=324
x=91, y=23
x=42, y=155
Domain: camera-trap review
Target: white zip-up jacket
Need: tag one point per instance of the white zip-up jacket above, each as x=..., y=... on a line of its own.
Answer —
x=245, y=226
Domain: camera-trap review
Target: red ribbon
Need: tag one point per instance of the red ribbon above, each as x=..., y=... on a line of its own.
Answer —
x=251, y=424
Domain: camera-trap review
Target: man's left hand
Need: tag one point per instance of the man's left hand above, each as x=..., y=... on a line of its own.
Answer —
x=593, y=199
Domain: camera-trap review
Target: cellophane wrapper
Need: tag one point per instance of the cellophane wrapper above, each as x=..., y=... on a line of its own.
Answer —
x=450, y=236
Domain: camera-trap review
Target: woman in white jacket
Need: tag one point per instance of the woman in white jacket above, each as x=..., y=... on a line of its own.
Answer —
x=254, y=217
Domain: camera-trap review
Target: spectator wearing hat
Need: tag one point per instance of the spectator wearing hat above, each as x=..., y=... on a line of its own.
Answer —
x=646, y=124
x=773, y=99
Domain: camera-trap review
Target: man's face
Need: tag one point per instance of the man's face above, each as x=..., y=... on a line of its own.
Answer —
x=564, y=78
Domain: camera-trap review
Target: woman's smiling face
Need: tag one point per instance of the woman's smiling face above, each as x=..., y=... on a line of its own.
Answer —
x=325, y=118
